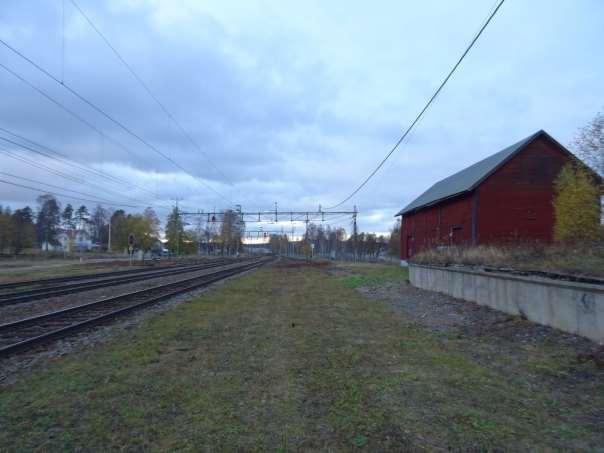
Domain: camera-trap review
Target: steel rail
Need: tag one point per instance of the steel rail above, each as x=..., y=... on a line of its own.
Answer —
x=67, y=278
x=43, y=293
x=60, y=323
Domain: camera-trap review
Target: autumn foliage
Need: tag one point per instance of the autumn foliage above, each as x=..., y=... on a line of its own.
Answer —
x=577, y=206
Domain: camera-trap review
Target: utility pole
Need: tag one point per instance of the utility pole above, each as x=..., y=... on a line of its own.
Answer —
x=354, y=233
x=199, y=234
x=109, y=232
x=177, y=199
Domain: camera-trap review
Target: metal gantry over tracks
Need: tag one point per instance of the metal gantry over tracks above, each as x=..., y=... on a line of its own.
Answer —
x=275, y=216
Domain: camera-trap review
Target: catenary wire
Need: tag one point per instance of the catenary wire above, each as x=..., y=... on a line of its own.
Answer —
x=68, y=110
x=66, y=176
x=142, y=83
x=100, y=111
x=57, y=194
x=421, y=113
x=65, y=159
x=99, y=200
x=63, y=107
x=62, y=174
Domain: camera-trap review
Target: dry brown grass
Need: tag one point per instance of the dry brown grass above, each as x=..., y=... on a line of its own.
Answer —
x=575, y=259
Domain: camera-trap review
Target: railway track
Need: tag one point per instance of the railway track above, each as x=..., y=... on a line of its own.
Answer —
x=57, y=280
x=23, y=334
x=74, y=285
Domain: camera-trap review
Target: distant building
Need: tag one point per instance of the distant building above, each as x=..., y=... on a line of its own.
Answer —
x=75, y=240
x=506, y=197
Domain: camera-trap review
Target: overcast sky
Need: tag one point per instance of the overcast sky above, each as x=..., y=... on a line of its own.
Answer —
x=295, y=102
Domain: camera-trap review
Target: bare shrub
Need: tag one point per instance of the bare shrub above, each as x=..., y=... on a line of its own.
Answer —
x=580, y=259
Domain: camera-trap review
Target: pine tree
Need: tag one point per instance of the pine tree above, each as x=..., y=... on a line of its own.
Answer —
x=48, y=220
x=6, y=230
x=68, y=225
x=82, y=218
x=67, y=217
x=23, y=230
x=175, y=231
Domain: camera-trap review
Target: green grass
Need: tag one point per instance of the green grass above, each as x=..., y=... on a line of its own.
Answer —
x=289, y=359
x=373, y=275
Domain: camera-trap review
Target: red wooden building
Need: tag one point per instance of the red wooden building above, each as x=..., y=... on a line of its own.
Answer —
x=505, y=197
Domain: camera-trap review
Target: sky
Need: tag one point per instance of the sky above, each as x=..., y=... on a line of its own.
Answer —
x=287, y=102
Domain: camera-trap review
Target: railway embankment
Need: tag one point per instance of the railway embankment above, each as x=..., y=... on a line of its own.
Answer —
x=307, y=356
x=572, y=306
x=49, y=322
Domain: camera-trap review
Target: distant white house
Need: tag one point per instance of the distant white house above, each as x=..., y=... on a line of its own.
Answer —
x=69, y=241
x=76, y=240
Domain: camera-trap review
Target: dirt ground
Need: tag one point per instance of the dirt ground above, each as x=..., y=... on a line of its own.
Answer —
x=496, y=332
x=315, y=358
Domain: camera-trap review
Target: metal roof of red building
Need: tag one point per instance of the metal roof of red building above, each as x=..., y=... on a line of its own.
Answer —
x=470, y=177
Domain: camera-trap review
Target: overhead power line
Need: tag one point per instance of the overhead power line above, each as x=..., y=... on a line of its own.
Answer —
x=68, y=176
x=99, y=200
x=98, y=110
x=68, y=110
x=62, y=159
x=41, y=166
x=421, y=113
x=65, y=160
x=148, y=90
x=56, y=194
x=72, y=113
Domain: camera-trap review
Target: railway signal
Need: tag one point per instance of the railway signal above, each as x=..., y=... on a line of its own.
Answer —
x=131, y=241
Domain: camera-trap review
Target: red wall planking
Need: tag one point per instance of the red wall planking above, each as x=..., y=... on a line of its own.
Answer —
x=514, y=203
x=446, y=223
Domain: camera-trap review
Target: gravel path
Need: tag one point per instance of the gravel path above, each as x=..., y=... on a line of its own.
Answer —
x=497, y=332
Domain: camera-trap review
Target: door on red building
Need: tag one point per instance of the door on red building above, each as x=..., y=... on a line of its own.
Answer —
x=409, y=246
x=456, y=235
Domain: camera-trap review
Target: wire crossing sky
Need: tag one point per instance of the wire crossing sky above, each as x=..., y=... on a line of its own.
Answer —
x=288, y=102
x=148, y=90
x=423, y=110
x=85, y=100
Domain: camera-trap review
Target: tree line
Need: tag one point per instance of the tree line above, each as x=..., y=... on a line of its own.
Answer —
x=334, y=243
x=218, y=237
x=72, y=227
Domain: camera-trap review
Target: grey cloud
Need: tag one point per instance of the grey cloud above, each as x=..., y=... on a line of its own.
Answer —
x=298, y=102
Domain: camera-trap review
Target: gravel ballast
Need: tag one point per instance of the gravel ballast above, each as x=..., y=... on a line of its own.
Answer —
x=11, y=368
